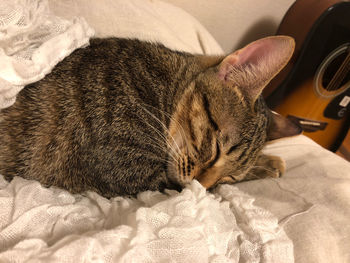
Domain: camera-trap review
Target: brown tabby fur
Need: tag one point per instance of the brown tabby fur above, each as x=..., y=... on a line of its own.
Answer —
x=123, y=116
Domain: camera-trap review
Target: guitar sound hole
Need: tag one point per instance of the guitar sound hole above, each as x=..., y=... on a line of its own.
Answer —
x=333, y=75
x=331, y=70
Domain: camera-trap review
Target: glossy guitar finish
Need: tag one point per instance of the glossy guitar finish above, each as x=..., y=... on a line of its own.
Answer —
x=314, y=88
x=312, y=110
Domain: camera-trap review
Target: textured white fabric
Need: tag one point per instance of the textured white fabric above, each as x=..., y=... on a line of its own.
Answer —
x=52, y=225
x=32, y=42
x=311, y=202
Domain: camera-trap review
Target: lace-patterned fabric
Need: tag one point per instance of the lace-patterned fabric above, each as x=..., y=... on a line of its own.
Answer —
x=32, y=42
x=47, y=225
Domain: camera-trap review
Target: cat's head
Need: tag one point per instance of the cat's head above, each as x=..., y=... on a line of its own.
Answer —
x=222, y=122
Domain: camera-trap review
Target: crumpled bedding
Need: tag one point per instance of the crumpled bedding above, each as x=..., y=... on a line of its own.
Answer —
x=51, y=225
x=32, y=42
x=311, y=201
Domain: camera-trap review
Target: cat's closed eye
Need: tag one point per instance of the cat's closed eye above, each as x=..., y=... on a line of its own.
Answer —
x=232, y=149
x=216, y=155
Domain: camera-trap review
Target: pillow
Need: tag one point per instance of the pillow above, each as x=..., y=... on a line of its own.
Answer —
x=143, y=19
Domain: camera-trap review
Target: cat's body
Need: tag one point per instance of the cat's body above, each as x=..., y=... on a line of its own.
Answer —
x=123, y=116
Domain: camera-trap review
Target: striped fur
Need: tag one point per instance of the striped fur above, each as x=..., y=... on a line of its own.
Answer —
x=123, y=116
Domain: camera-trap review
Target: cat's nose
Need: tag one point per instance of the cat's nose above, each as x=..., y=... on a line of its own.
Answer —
x=209, y=177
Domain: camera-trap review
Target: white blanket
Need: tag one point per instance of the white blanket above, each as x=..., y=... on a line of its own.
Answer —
x=32, y=42
x=311, y=202
x=51, y=225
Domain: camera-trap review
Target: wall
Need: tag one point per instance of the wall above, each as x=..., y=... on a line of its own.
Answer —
x=234, y=23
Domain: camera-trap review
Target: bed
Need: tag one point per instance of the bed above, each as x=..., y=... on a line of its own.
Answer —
x=302, y=217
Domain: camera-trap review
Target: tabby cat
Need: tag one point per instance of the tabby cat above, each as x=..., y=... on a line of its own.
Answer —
x=123, y=116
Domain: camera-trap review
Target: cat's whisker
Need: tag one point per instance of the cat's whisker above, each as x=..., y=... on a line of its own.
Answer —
x=264, y=168
x=165, y=128
x=160, y=142
x=155, y=129
x=158, y=146
x=162, y=159
x=252, y=176
x=163, y=150
x=172, y=150
x=171, y=118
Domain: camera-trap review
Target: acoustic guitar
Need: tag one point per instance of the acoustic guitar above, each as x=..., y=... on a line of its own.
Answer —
x=314, y=88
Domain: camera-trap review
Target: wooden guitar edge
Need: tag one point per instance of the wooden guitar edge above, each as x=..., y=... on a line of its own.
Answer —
x=297, y=23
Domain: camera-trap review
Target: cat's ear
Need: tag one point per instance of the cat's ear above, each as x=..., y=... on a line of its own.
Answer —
x=253, y=66
x=280, y=127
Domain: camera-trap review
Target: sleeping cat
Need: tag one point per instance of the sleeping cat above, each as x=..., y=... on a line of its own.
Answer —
x=123, y=116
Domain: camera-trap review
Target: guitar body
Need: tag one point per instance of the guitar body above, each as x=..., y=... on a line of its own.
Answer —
x=309, y=108
x=314, y=88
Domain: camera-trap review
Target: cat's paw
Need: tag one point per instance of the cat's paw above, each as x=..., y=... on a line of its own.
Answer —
x=277, y=166
x=267, y=166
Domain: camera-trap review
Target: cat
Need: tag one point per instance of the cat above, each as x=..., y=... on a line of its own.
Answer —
x=122, y=116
